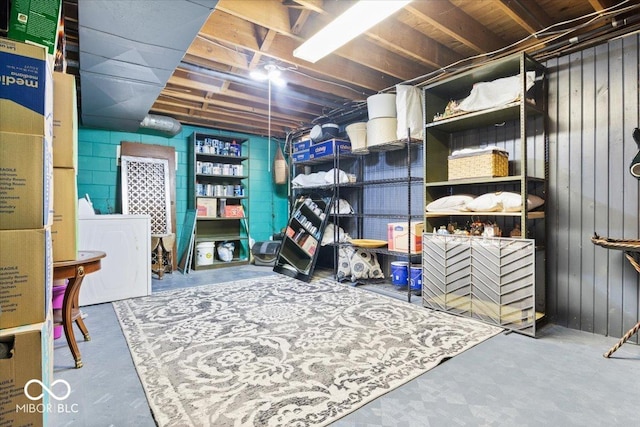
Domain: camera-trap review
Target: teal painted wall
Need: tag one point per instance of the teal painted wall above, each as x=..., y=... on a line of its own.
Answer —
x=99, y=175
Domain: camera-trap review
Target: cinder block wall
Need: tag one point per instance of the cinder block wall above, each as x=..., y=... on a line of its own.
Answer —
x=99, y=175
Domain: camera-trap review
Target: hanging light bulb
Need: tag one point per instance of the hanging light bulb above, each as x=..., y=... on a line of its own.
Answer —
x=274, y=75
x=261, y=76
x=271, y=73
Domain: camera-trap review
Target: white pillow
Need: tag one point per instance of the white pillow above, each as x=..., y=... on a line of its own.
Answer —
x=489, y=202
x=504, y=201
x=449, y=203
x=329, y=235
x=512, y=202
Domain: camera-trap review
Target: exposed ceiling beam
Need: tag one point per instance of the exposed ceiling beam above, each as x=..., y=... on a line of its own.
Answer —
x=456, y=24
x=212, y=50
x=312, y=5
x=230, y=29
x=412, y=44
x=300, y=20
x=600, y=5
x=366, y=53
x=179, y=88
x=270, y=14
x=277, y=119
x=527, y=14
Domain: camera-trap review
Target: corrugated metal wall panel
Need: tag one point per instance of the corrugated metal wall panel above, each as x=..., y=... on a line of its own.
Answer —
x=593, y=107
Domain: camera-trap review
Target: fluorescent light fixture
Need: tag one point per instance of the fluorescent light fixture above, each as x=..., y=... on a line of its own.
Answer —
x=353, y=22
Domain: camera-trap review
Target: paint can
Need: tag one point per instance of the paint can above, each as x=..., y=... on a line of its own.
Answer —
x=399, y=273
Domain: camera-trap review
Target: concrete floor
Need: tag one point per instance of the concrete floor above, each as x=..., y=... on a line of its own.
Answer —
x=557, y=379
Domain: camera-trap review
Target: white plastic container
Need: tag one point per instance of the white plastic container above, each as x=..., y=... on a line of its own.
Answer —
x=357, y=133
x=382, y=105
x=204, y=253
x=381, y=131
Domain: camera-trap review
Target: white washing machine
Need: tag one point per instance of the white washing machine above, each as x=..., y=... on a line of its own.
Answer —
x=126, y=270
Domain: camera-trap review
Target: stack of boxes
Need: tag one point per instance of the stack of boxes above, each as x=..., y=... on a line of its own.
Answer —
x=32, y=235
x=64, y=231
x=306, y=150
x=301, y=150
x=26, y=218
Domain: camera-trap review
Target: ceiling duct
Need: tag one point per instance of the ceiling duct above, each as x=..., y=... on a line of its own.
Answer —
x=164, y=124
x=128, y=51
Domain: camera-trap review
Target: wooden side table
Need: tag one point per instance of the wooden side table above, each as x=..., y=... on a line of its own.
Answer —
x=162, y=253
x=87, y=262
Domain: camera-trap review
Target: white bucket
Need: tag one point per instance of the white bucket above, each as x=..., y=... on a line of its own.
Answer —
x=204, y=253
x=357, y=133
x=381, y=131
x=382, y=105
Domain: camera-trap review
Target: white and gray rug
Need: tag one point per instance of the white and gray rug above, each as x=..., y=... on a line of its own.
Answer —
x=276, y=351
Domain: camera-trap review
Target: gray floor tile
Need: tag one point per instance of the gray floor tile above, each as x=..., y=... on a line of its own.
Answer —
x=557, y=379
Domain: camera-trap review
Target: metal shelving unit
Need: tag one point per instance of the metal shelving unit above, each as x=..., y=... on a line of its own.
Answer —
x=354, y=223
x=211, y=185
x=511, y=292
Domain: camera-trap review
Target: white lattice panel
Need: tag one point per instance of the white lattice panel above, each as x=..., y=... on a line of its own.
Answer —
x=145, y=190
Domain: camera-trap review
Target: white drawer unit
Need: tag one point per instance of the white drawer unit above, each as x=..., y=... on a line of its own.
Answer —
x=126, y=270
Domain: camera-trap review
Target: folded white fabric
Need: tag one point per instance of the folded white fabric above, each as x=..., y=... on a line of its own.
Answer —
x=312, y=179
x=320, y=178
x=330, y=177
x=487, y=149
x=495, y=93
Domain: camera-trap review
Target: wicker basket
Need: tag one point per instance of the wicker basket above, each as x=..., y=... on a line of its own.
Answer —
x=478, y=165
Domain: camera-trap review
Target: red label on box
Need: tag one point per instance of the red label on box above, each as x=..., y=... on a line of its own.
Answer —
x=233, y=211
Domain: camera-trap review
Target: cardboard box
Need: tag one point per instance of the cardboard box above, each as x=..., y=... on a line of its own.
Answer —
x=302, y=145
x=310, y=245
x=26, y=89
x=64, y=231
x=65, y=121
x=329, y=148
x=31, y=361
x=26, y=181
x=36, y=22
x=233, y=211
x=300, y=156
x=26, y=276
x=397, y=236
x=207, y=207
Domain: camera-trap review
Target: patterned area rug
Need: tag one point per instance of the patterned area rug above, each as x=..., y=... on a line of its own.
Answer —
x=276, y=351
